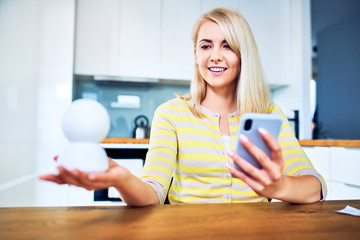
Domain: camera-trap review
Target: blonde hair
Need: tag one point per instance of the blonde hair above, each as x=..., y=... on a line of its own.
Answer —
x=252, y=94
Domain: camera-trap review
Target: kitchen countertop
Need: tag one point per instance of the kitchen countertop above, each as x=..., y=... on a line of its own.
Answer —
x=125, y=140
x=274, y=220
x=330, y=143
x=125, y=143
x=310, y=143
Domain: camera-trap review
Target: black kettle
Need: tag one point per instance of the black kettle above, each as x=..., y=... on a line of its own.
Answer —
x=142, y=129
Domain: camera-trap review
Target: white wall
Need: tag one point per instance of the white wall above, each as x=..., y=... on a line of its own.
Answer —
x=36, y=61
x=18, y=59
x=296, y=96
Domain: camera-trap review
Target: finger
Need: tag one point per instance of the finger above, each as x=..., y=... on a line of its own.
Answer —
x=52, y=178
x=83, y=181
x=271, y=166
x=257, y=187
x=93, y=181
x=87, y=182
x=251, y=171
x=112, y=163
x=68, y=177
x=256, y=152
x=101, y=177
x=274, y=146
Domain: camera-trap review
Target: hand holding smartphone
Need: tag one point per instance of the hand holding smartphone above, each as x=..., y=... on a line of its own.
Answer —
x=249, y=125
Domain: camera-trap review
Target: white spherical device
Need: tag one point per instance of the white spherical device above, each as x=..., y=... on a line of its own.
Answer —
x=85, y=124
x=86, y=121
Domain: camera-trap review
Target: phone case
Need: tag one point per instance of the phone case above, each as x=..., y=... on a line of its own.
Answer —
x=272, y=123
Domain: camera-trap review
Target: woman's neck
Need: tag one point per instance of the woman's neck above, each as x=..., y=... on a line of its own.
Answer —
x=222, y=102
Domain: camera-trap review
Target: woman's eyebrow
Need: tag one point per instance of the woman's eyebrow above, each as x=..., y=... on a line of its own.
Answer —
x=205, y=40
x=209, y=41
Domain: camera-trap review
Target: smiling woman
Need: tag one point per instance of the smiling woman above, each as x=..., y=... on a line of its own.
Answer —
x=192, y=137
x=228, y=82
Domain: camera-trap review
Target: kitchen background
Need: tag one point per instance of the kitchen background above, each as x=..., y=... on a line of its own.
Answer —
x=136, y=98
x=51, y=52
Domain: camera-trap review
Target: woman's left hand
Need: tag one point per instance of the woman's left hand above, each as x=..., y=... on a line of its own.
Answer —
x=268, y=181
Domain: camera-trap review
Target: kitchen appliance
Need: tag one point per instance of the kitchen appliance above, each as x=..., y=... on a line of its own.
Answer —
x=142, y=129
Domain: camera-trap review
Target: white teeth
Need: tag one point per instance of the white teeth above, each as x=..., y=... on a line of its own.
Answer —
x=217, y=69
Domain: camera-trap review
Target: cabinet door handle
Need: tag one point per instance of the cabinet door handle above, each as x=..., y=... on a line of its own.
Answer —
x=352, y=185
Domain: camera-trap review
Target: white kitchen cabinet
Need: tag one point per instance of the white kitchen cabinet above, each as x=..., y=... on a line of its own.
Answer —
x=118, y=38
x=340, y=168
x=139, y=45
x=177, y=48
x=320, y=158
x=345, y=177
x=207, y=5
x=343, y=191
x=270, y=22
x=97, y=37
x=152, y=39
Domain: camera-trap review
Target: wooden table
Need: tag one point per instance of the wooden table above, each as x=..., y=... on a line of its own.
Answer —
x=315, y=142
x=192, y=221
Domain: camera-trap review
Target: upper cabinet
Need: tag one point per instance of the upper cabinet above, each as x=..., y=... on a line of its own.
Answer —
x=177, y=48
x=97, y=37
x=270, y=22
x=152, y=39
x=118, y=38
x=139, y=38
x=207, y=5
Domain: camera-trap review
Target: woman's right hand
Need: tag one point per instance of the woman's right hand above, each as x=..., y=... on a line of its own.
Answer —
x=114, y=176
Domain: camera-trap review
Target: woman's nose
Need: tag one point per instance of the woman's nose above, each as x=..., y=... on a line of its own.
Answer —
x=216, y=55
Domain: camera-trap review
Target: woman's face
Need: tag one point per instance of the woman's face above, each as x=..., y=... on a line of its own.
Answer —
x=217, y=63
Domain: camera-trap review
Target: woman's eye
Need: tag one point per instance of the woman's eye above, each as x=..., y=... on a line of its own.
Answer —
x=227, y=46
x=205, y=46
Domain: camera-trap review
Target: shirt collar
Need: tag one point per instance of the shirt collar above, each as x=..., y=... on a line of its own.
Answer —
x=216, y=115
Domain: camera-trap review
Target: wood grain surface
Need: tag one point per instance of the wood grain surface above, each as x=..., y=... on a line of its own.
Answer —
x=125, y=140
x=331, y=143
x=317, y=142
x=183, y=221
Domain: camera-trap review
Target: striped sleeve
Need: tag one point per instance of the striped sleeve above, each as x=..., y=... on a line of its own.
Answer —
x=296, y=163
x=161, y=156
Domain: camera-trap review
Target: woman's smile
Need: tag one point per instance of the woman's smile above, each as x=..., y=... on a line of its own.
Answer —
x=217, y=69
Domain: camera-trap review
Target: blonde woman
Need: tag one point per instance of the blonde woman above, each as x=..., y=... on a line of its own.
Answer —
x=190, y=154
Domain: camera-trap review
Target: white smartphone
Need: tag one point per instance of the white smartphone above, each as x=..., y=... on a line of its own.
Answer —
x=249, y=125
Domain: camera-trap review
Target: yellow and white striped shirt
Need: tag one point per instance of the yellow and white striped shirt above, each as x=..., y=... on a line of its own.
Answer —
x=191, y=150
